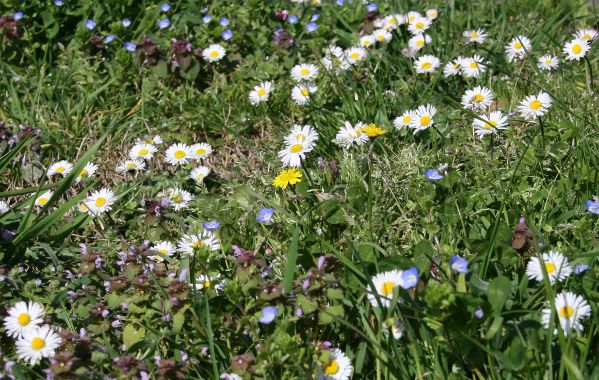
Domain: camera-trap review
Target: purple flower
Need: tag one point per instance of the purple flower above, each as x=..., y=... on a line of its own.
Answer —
x=164, y=23
x=479, y=313
x=212, y=225
x=292, y=19
x=592, y=207
x=226, y=34
x=311, y=27
x=126, y=22
x=165, y=7
x=409, y=278
x=206, y=19
x=17, y=16
x=224, y=21
x=130, y=46
x=433, y=175
x=269, y=313
x=458, y=264
x=581, y=268
x=265, y=215
x=89, y=24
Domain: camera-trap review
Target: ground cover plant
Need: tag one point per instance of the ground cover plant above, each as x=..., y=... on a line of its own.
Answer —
x=299, y=189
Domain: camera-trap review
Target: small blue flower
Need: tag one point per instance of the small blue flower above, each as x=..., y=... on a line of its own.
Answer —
x=581, y=268
x=265, y=215
x=311, y=27
x=165, y=7
x=109, y=38
x=340, y=2
x=130, y=46
x=292, y=19
x=212, y=225
x=204, y=10
x=58, y=3
x=17, y=16
x=164, y=23
x=278, y=28
x=315, y=17
x=206, y=19
x=479, y=313
x=433, y=175
x=89, y=24
x=511, y=114
x=372, y=7
x=409, y=278
x=592, y=207
x=458, y=264
x=269, y=313
x=224, y=21
x=226, y=34
x=126, y=22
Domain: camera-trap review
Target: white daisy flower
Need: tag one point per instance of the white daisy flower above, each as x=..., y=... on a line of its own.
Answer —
x=534, y=106
x=304, y=72
x=200, y=151
x=478, y=98
x=395, y=327
x=87, y=172
x=154, y=140
x=475, y=36
x=339, y=367
x=401, y=19
x=384, y=283
x=426, y=64
x=213, y=53
x=518, y=48
x=162, y=249
x=42, y=199
x=576, y=49
x=261, y=93
x=23, y=316
x=411, y=16
x=418, y=41
x=143, y=151
x=571, y=309
x=473, y=67
x=349, y=135
x=452, y=68
x=37, y=343
x=206, y=282
x=301, y=92
x=302, y=134
x=61, y=167
x=4, y=207
x=548, y=62
x=198, y=174
x=178, y=198
x=432, y=14
x=419, y=25
x=334, y=59
x=423, y=118
x=367, y=41
x=204, y=239
x=178, y=154
x=404, y=120
x=588, y=35
x=555, y=263
x=128, y=165
x=382, y=35
x=294, y=153
x=100, y=201
x=355, y=54
x=490, y=123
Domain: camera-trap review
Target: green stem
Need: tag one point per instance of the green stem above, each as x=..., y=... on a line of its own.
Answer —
x=589, y=73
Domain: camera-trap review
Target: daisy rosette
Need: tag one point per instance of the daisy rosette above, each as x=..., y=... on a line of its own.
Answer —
x=571, y=309
x=200, y=151
x=384, y=283
x=61, y=167
x=287, y=177
x=142, y=151
x=261, y=93
x=302, y=134
x=518, y=48
x=490, y=123
x=22, y=316
x=293, y=154
x=301, y=93
x=100, y=201
x=131, y=165
x=426, y=64
x=178, y=154
x=478, y=98
x=178, y=198
x=404, y=120
x=349, y=135
x=87, y=172
x=162, y=249
x=214, y=53
x=338, y=366
x=548, y=62
x=475, y=36
x=423, y=118
x=576, y=49
x=557, y=266
x=37, y=343
x=42, y=199
x=198, y=243
x=355, y=54
x=198, y=174
x=304, y=72
x=534, y=106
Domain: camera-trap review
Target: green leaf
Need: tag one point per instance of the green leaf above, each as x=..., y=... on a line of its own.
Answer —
x=179, y=319
x=331, y=313
x=500, y=289
x=335, y=294
x=308, y=306
x=131, y=335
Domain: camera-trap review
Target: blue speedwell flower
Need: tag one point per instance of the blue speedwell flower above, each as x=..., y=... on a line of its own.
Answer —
x=164, y=23
x=265, y=215
x=224, y=21
x=311, y=27
x=592, y=207
x=340, y=2
x=165, y=7
x=315, y=17
x=409, y=278
x=212, y=225
x=204, y=10
x=206, y=19
x=227, y=34
x=458, y=264
x=479, y=313
x=581, y=268
x=292, y=19
x=372, y=7
x=130, y=46
x=89, y=24
x=109, y=38
x=17, y=16
x=126, y=22
x=58, y=3
x=433, y=175
x=269, y=313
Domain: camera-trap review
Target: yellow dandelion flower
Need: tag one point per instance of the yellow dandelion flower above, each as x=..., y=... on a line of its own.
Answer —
x=287, y=177
x=372, y=130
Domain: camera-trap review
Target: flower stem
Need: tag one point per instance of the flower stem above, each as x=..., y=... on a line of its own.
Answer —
x=589, y=74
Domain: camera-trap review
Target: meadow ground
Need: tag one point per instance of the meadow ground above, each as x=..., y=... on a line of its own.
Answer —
x=293, y=190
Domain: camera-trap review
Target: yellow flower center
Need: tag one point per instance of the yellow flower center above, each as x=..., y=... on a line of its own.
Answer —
x=82, y=173
x=490, y=124
x=83, y=207
x=261, y=92
x=518, y=45
x=131, y=165
x=305, y=91
x=296, y=148
x=198, y=244
x=179, y=154
x=577, y=49
x=214, y=54
x=24, y=319
x=586, y=37
x=100, y=201
x=355, y=55
x=550, y=267
x=406, y=119
x=366, y=43
x=177, y=198
x=419, y=25
x=305, y=72
x=478, y=98
x=473, y=65
x=60, y=169
x=387, y=288
x=42, y=201
x=143, y=152
x=426, y=65
x=474, y=35
x=535, y=104
x=38, y=343
x=200, y=151
x=566, y=311
x=207, y=284
x=420, y=43
x=301, y=137
x=425, y=120
x=163, y=251
x=380, y=37
x=331, y=368
x=548, y=62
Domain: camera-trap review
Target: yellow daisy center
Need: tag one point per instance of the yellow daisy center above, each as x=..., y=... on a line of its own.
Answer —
x=586, y=37
x=301, y=137
x=478, y=98
x=82, y=173
x=419, y=25
x=366, y=43
x=550, y=267
x=143, y=152
x=198, y=244
x=131, y=165
x=380, y=37
x=425, y=120
x=576, y=49
x=305, y=91
x=296, y=148
x=177, y=198
x=356, y=55
x=548, y=62
x=207, y=284
x=474, y=35
x=305, y=72
x=261, y=92
x=535, y=104
x=406, y=119
x=566, y=311
x=490, y=124
x=200, y=151
x=162, y=251
x=331, y=368
x=59, y=169
x=179, y=154
x=42, y=201
x=38, y=343
x=518, y=45
x=100, y=201
x=473, y=65
x=420, y=43
x=214, y=54
x=83, y=207
x=24, y=319
x=426, y=65
x=387, y=288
